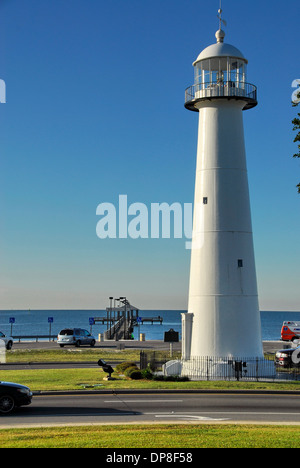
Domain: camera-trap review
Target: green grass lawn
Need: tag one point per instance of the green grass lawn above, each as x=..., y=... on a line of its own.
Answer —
x=153, y=436
x=78, y=379
x=71, y=355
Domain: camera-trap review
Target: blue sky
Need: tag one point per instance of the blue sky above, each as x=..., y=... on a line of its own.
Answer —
x=95, y=109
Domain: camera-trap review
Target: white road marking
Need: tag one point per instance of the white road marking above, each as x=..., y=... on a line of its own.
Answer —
x=142, y=401
x=190, y=416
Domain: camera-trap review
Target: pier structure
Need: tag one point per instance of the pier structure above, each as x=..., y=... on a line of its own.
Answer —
x=122, y=318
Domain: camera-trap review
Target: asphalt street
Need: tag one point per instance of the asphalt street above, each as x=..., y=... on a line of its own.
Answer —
x=107, y=345
x=269, y=346
x=152, y=407
x=117, y=408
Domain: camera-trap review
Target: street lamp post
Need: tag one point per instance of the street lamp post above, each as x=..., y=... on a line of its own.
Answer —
x=110, y=322
x=125, y=303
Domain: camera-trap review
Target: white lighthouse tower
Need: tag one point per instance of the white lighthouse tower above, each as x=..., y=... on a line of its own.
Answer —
x=223, y=318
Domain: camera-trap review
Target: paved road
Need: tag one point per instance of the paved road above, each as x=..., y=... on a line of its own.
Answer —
x=156, y=408
x=269, y=346
x=107, y=345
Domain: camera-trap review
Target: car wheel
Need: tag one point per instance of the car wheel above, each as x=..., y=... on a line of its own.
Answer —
x=7, y=404
x=295, y=338
x=93, y=343
x=61, y=345
x=9, y=345
x=77, y=344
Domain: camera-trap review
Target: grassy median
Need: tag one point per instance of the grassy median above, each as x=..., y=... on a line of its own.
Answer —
x=154, y=436
x=81, y=379
x=71, y=355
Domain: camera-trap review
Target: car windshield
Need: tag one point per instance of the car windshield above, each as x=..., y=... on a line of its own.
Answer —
x=67, y=332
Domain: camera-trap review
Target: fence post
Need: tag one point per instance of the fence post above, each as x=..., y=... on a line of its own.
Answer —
x=2, y=352
x=143, y=360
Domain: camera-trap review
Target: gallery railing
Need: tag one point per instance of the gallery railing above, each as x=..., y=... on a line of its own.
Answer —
x=221, y=89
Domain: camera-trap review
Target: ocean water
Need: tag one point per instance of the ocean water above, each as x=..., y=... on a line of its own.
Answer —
x=35, y=322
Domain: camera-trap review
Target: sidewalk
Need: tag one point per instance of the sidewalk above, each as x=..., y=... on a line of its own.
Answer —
x=122, y=344
x=155, y=345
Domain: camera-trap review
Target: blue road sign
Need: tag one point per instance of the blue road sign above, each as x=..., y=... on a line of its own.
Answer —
x=92, y=321
x=50, y=320
x=139, y=319
x=12, y=320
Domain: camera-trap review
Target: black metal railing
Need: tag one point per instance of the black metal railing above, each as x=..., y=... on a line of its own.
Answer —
x=229, y=368
x=36, y=338
x=221, y=89
x=216, y=368
x=156, y=359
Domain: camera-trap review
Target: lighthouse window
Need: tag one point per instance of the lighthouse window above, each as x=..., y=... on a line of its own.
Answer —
x=205, y=201
x=240, y=263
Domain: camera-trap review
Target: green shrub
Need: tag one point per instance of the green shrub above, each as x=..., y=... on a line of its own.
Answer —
x=147, y=374
x=121, y=368
x=170, y=378
x=135, y=374
x=129, y=370
x=158, y=378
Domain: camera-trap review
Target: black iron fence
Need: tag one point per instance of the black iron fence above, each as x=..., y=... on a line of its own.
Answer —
x=229, y=368
x=155, y=360
x=216, y=368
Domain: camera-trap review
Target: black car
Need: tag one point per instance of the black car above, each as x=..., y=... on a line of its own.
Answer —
x=13, y=395
x=288, y=357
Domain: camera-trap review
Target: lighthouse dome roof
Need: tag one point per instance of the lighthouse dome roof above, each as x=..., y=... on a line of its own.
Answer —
x=220, y=49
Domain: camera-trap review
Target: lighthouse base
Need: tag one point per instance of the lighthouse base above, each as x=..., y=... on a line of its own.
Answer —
x=217, y=368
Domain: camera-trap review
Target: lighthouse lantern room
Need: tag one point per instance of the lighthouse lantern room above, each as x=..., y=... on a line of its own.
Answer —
x=220, y=71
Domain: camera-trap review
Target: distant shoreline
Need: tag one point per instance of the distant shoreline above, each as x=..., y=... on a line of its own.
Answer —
x=141, y=310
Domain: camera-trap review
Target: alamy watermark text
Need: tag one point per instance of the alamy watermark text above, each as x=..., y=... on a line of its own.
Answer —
x=137, y=221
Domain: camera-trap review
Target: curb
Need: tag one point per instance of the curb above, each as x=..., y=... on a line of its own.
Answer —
x=167, y=391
